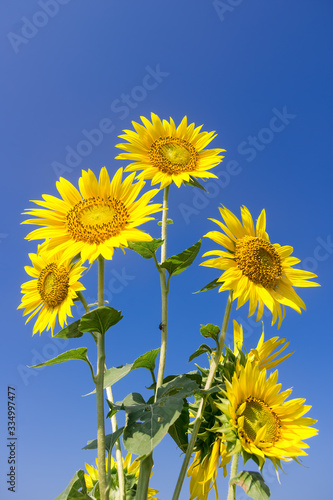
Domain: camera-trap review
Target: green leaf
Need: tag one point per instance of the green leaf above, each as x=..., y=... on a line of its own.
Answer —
x=110, y=439
x=70, y=332
x=253, y=484
x=76, y=489
x=179, y=430
x=80, y=353
x=213, y=284
x=100, y=319
x=201, y=350
x=147, y=360
x=178, y=263
x=146, y=249
x=210, y=331
x=147, y=423
x=194, y=183
x=168, y=221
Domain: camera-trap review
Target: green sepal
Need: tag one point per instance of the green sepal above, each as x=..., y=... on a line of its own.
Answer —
x=80, y=354
x=146, y=249
x=194, y=183
x=253, y=484
x=70, y=332
x=148, y=422
x=178, y=263
x=100, y=320
x=76, y=489
x=210, y=286
x=201, y=350
x=110, y=439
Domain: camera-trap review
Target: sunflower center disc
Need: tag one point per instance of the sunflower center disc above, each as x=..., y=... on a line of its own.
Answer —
x=258, y=260
x=172, y=155
x=257, y=415
x=96, y=220
x=53, y=283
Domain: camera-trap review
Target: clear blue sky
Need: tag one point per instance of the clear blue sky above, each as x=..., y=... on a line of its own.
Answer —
x=260, y=74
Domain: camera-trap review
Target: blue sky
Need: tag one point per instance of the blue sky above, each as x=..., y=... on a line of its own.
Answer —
x=75, y=75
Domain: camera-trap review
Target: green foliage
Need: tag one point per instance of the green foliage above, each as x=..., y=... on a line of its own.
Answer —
x=213, y=284
x=100, y=320
x=201, y=350
x=210, y=331
x=146, y=249
x=76, y=490
x=178, y=263
x=80, y=353
x=253, y=484
x=71, y=331
x=110, y=439
x=168, y=221
x=146, y=360
x=179, y=430
x=148, y=422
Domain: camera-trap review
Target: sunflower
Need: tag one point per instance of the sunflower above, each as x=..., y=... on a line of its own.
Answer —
x=168, y=154
x=92, y=222
x=255, y=269
x=265, y=424
x=131, y=471
x=203, y=473
x=52, y=290
x=263, y=354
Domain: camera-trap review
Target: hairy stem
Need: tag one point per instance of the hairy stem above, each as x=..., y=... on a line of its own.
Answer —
x=148, y=462
x=99, y=381
x=233, y=473
x=208, y=385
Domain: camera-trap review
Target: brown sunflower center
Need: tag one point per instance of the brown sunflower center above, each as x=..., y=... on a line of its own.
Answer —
x=172, y=155
x=259, y=261
x=96, y=220
x=257, y=415
x=52, y=285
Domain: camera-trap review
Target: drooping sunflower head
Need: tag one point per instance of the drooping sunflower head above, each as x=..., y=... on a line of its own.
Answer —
x=166, y=153
x=101, y=216
x=265, y=424
x=203, y=471
x=255, y=269
x=52, y=291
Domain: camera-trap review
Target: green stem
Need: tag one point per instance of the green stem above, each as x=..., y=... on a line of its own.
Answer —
x=99, y=382
x=233, y=473
x=119, y=457
x=213, y=367
x=148, y=462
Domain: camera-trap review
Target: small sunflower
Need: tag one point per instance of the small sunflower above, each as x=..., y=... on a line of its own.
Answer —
x=52, y=290
x=265, y=354
x=168, y=154
x=255, y=269
x=265, y=424
x=203, y=473
x=131, y=471
x=92, y=222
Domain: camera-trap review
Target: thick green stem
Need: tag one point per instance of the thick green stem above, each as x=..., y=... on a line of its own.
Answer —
x=213, y=367
x=99, y=381
x=148, y=462
x=119, y=457
x=233, y=473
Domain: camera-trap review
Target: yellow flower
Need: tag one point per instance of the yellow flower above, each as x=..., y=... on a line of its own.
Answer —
x=255, y=269
x=266, y=425
x=263, y=354
x=52, y=292
x=168, y=154
x=130, y=470
x=92, y=222
x=203, y=473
